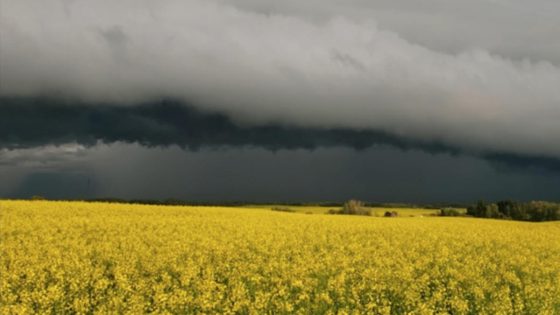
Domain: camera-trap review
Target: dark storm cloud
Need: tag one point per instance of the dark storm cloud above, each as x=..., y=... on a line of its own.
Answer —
x=379, y=174
x=54, y=185
x=515, y=161
x=480, y=75
x=28, y=123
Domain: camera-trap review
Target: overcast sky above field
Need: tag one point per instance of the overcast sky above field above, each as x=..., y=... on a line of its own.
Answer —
x=435, y=100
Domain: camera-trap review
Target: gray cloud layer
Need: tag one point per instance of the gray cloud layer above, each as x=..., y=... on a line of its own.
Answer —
x=281, y=63
x=379, y=174
x=516, y=29
x=35, y=123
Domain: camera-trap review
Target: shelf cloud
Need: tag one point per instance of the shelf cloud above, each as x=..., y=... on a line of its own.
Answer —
x=280, y=75
x=41, y=123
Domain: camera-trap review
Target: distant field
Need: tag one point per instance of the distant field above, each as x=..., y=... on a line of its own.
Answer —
x=375, y=211
x=86, y=258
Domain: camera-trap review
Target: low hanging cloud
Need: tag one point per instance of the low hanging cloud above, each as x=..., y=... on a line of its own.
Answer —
x=40, y=131
x=44, y=156
x=285, y=70
x=31, y=123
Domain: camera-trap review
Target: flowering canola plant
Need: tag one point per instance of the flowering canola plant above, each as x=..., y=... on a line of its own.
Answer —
x=89, y=258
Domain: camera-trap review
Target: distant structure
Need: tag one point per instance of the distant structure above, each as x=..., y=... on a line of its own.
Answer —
x=391, y=214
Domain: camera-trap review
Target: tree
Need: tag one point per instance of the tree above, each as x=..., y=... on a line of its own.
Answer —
x=353, y=207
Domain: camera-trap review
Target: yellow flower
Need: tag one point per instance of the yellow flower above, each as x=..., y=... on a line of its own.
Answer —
x=77, y=257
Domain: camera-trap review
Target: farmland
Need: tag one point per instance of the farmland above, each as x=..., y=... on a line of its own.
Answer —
x=77, y=257
x=374, y=211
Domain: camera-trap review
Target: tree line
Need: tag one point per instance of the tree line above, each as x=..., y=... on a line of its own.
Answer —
x=524, y=211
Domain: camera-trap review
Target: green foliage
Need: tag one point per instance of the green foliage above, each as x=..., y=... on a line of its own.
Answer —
x=507, y=209
x=352, y=207
x=282, y=209
x=450, y=212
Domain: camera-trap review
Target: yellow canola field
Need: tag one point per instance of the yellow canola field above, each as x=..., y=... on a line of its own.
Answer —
x=374, y=211
x=85, y=258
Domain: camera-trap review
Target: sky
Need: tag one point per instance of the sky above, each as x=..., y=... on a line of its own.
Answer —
x=293, y=101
